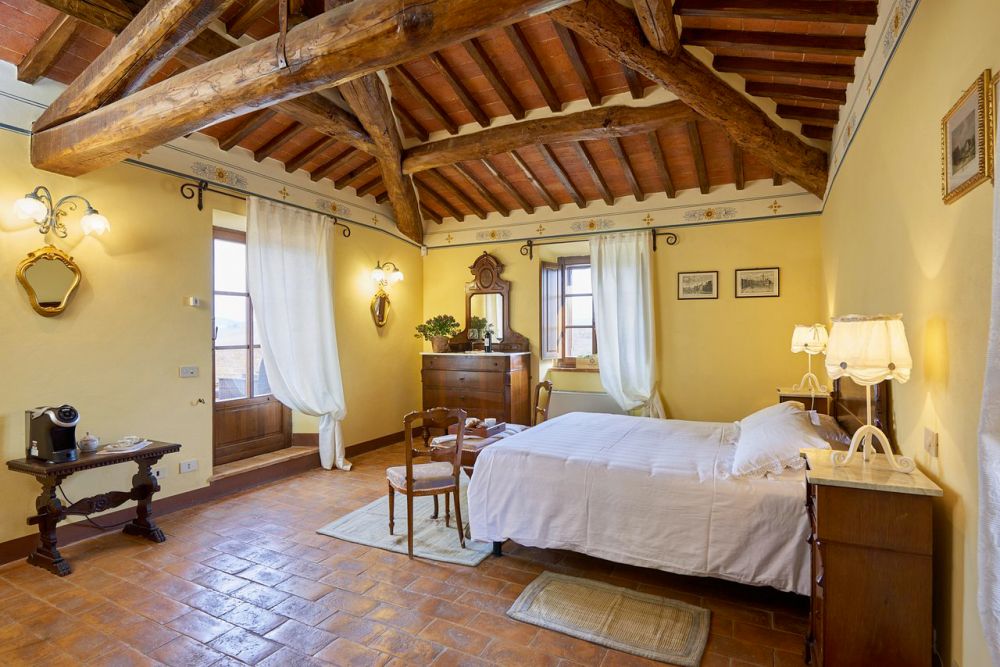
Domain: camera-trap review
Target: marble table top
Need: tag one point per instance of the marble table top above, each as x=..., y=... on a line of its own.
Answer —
x=876, y=475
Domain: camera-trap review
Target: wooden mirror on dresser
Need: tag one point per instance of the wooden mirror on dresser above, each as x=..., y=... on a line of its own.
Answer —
x=487, y=296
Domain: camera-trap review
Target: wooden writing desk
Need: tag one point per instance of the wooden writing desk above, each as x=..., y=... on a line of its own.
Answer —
x=51, y=511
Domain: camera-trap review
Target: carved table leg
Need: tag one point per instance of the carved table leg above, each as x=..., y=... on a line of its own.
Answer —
x=144, y=485
x=50, y=512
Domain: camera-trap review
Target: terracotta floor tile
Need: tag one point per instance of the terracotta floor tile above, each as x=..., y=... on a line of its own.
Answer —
x=456, y=636
x=85, y=643
x=448, y=611
x=503, y=627
x=734, y=648
x=227, y=563
x=264, y=575
x=306, y=611
x=345, y=653
x=38, y=653
x=615, y=658
x=122, y=657
x=484, y=602
x=200, y=626
x=144, y=636
x=186, y=652
x=514, y=655
x=307, y=569
x=304, y=588
x=360, y=630
x=402, y=645
x=349, y=602
x=221, y=582
x=260, y=595
x=355, y=583
x=571, y=648
x=405, y=619
x=244, y=646
x=794, y=659
x=287, y=657
x=213, y=602
x=301, y=637
x=253, y=618
x=776, y=639
x=453, y=658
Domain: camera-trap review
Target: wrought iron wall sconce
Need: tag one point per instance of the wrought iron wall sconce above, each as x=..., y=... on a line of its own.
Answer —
x=38, y=207
x=383, y=275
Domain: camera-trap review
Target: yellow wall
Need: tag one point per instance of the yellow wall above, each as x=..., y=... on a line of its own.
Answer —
x=115, y=352
x=891, y=245
x=719, y=359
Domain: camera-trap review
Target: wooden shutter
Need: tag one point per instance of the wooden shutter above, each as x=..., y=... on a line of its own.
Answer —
x=551, y=281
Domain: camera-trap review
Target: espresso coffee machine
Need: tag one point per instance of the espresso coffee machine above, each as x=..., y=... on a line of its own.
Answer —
x=50, y=433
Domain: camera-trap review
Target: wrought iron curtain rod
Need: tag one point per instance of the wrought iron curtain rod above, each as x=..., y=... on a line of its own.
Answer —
x=198, y=189
x=528, y=249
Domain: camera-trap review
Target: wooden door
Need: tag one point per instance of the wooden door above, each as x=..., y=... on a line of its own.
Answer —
x=247, y=419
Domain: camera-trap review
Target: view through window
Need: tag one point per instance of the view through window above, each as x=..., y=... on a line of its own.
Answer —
x=567, y=310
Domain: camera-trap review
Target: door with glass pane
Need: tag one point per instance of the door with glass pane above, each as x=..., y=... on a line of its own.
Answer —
x=247, y=419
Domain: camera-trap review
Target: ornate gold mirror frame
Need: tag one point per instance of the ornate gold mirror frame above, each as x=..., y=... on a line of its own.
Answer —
x=48, y=253
x=379, y=307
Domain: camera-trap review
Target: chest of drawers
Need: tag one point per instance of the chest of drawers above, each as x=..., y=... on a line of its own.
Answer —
x=484, y=385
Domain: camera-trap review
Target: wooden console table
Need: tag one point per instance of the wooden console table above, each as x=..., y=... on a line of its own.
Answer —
x=51, y=511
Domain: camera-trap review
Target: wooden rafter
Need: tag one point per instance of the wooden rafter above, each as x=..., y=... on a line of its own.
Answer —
x=487, y=196
x=109, y=16
x=431, y=213
x=433, y=197
x=241, y=22
x=657, y=20
x=599, y=123
x=533, y=180
x=369, y=186
x=784, y=68
x=331, y=165
x=552, y=162
x=635, y=86
x=777, y=179
x=834, y=45
x=248, y=126
x=39, y=60
x=426, y=99
x=409, y=121
x=626, y=165
x=442, y=180
x=508, y=186
x=699, y=157
x=738, y=176
x=463, y=94
x=492, y=74
x=579, y=65
x=583, y=154
x=833, y=11
x=615, y=30
x=310, y=152
x=785, y=91
x=354, y=174
x=661, y=165
x=534, y=66
x=817, y=132
x=278, y=140
x=159, y=31
x=810, y=115
x=328, y=50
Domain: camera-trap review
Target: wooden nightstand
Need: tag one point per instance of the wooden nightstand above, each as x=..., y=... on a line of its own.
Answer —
x=821, y=403
x=871, y=547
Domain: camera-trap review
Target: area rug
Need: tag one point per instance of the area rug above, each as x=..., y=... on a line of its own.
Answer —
x=646, y=625
x=431, y=538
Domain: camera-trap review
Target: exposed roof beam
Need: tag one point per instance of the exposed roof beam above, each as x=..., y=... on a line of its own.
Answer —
x=657, y=20
x=633, y=183
x=42, y=56
x=435, y=198
x=583, y=154
x=254, y=10
x=409, y=121
x=810, y=115
x=777, y=179
x=785, y=91
x=508, y=186
x=418, y=91
x=433, y=215
x=834, y=45
x=331, y=165
x=533, y=180
x=784, y=68
x=738, y=176
x=463, y=94
x=346, y=179
x=817, y=132
x=615, y=29
x=369, y=186
x=250, y=124
x=599, y=123
x=552, y=162
x=831, y=11
x=278, y=140
x=309, y=153
x=459, y=194
x=699, y=157
x=635, y=86
x=110, y=16
x=492, y=74
x=481, y=189
x=579, y=65
x=661, y=165
x=328, y=50
x=530, y=60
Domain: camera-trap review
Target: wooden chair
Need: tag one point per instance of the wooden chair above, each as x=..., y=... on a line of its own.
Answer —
x=541, y=412
x=427, y=479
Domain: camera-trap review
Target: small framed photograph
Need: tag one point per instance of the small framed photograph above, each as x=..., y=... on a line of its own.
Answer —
x=967, y=140
x=698, y=285
x=758, y=282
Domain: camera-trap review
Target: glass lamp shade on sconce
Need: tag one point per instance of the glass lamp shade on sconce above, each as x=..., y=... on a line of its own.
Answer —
x=39, y=207
x=31, y=208
x=94, y=223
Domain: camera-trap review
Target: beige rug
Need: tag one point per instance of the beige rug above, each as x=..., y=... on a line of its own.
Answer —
x=431, y=538
x=647, y=625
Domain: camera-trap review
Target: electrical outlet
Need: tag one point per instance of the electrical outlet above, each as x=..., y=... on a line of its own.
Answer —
x=189, y=371
x=188, y=466
x=931, y=442
x=159, y=472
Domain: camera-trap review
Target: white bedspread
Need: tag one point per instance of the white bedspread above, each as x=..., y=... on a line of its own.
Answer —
x=646, y=492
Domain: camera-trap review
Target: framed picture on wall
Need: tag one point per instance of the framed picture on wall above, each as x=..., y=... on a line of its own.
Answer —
x=758, y=282
x=967, y=140
x=698, y=285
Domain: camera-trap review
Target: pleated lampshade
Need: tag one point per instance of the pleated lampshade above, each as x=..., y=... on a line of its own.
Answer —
x=868, y=349
x=809, y=338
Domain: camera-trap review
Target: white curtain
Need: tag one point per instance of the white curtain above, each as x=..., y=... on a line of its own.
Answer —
x=621, y=267
x=290, y=266
x=989, y=463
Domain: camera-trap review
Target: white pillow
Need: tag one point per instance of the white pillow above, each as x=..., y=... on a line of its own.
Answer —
x=771, y=443
x=787, y=407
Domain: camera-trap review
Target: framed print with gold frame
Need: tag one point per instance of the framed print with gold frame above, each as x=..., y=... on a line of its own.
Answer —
x=967, y=140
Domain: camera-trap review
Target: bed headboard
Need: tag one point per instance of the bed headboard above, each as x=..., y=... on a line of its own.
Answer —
x=848, y=407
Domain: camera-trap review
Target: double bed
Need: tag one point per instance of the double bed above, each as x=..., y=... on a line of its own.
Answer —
x=647, y=492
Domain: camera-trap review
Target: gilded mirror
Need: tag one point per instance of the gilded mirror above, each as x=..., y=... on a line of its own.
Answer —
x=49, y=276
x=380, y=308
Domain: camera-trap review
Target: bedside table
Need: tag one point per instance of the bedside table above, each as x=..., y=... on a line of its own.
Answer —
x=821, y=403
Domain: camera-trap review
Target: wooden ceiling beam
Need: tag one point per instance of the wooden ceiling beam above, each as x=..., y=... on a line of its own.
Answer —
x=43, y=55
x=328, y=50
x=369, y=186
x=777, y=179
x=331, y=165
x=523, y=167
x=463, y=94
x=635, y=86
x=583, y=154
x=370, y=101
x=254, y=10
x=488, y=196
x=785, y=91
x=552, y=162
x=309, y=153
x=784, y=68
x=579, y=65
x=425, y=98
x=435, y=198
x=810, y=115
x=833, y=45
x=661, y=165
x=657, y=20
x=817, y=132
x=382, y=197
x=111, y=16
x=248, y=126
x=534, y=66
x=739, y=178
x=459, y=194
x=830, y=11
x=633, y=183
x=699, y=157
x=153, y=37
x=492, y=74
x=409, y=121
x=278, y=140
x=599, y=123
x=432, y=214
x=615, y=30
x=508, y=186
x=345, y=180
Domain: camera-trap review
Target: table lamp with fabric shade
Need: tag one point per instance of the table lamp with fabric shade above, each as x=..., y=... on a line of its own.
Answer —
x=811, y=339
x=868, y=350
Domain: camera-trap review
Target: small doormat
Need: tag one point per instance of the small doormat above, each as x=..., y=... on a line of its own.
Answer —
x=646, y=625
x=431, y=538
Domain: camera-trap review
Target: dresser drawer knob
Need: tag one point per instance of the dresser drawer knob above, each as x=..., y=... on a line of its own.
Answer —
x=819, y=581
x=809, y=540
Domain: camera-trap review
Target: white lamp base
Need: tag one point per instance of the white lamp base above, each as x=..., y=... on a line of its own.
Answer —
x=810, y=383
x=862, y=441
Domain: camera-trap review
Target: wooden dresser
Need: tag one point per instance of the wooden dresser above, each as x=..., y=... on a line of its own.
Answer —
x=872, y=534
x=485, y=385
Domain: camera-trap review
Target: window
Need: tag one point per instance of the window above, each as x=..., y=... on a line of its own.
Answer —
x=567, y=310
x=239, y=365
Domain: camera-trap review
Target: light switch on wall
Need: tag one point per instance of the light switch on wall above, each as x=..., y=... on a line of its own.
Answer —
x=189, y=371
x=931, y=442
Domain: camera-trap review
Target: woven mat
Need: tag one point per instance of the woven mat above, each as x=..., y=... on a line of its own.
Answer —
x=651, y=626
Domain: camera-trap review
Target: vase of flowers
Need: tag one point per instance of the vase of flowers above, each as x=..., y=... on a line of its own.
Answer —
x=438, y=330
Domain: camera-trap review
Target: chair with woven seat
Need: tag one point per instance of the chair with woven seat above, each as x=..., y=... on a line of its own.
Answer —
x=427, y=479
